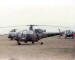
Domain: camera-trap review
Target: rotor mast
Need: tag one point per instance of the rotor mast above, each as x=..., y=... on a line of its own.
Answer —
x=31, y=27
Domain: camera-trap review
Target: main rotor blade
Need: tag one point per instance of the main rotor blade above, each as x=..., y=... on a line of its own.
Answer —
x=35, y=25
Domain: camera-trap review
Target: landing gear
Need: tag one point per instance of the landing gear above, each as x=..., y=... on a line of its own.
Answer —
x=18, y=42
x=42, y=43
x=69, y=36
x=32, y=42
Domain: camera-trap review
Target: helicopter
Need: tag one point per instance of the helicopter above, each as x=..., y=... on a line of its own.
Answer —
x=12, y=34
x=69, y=33
x=32, y=35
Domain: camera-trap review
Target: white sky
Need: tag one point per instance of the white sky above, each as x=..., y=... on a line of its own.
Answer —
x=20, y=12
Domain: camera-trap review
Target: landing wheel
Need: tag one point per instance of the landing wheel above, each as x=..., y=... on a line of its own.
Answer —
x=42, y=43
x=19, y=43
x=32, y=42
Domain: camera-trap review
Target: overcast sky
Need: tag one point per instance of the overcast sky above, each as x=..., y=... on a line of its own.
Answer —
x=20, y=12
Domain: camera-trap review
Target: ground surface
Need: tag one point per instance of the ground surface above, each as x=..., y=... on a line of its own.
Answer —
x=54, y=48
